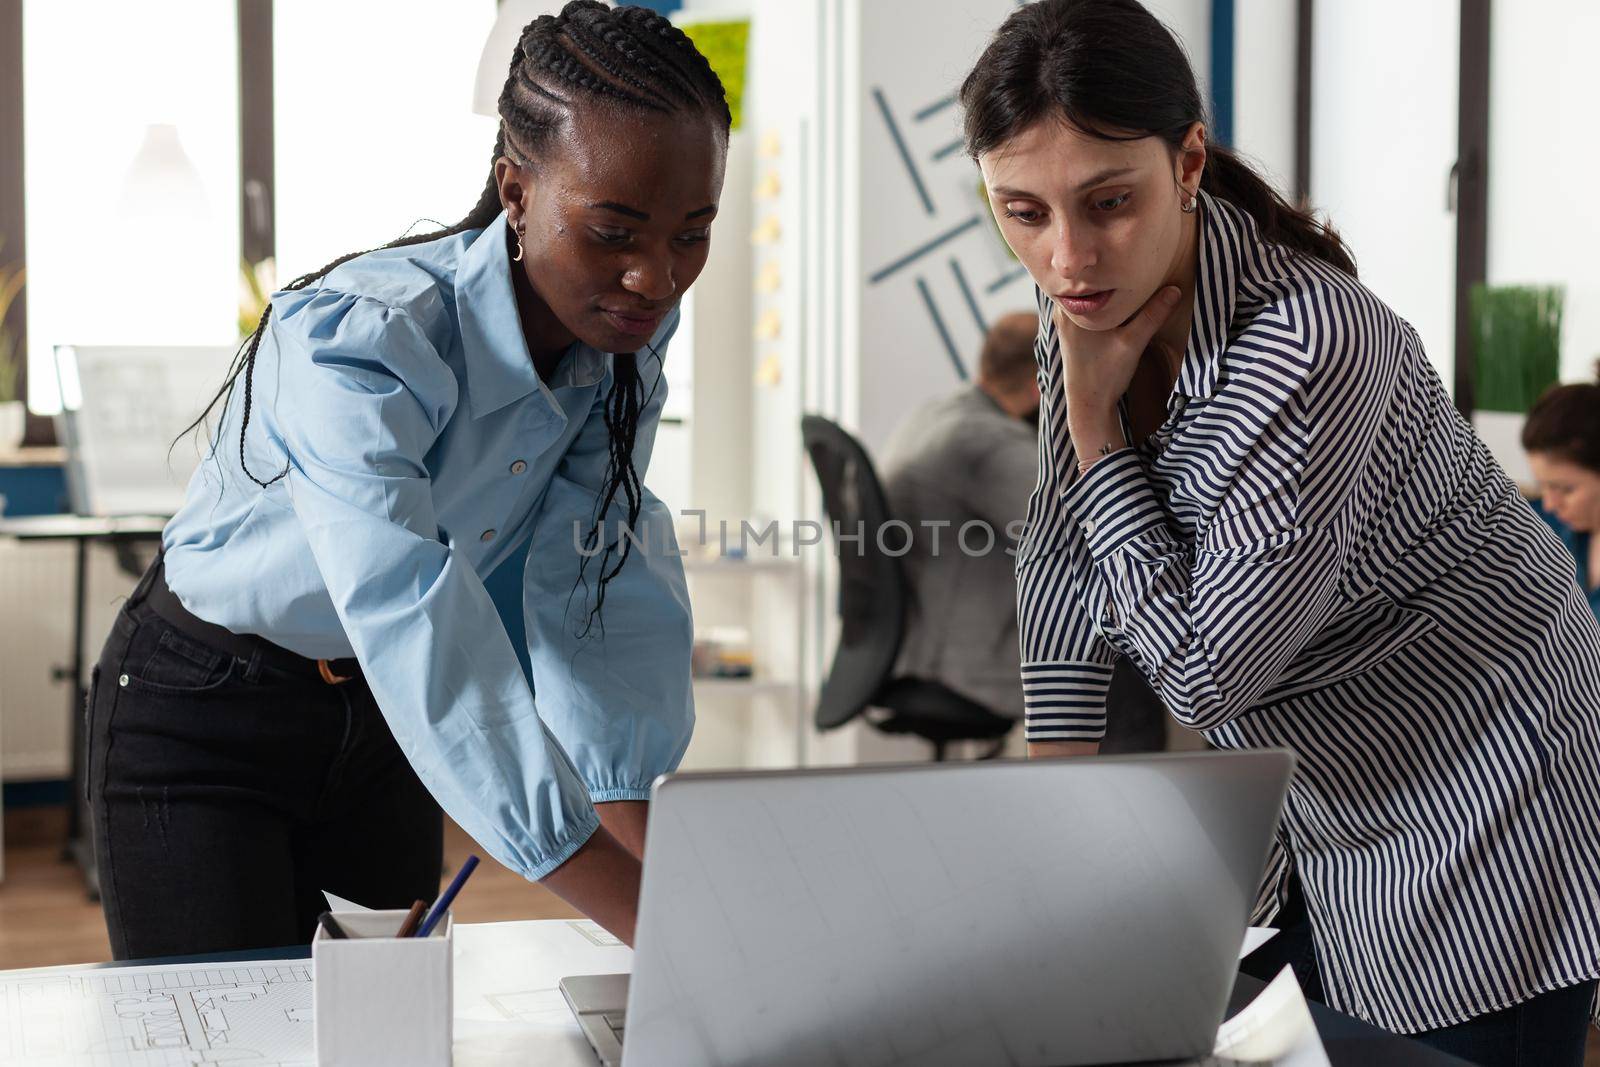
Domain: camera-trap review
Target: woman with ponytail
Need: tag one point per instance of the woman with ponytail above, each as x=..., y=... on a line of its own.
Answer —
x=1254, y=487
x=313, y=668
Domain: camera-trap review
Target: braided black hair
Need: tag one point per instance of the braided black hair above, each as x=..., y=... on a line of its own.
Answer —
x=628, y=57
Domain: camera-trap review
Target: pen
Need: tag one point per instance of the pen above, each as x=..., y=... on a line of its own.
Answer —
x=413, y=917
x=331, y=928
x=442, y=905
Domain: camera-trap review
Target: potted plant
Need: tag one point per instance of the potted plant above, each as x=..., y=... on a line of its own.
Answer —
x=13, y=412
x=1516, y=342
x=1516, y=345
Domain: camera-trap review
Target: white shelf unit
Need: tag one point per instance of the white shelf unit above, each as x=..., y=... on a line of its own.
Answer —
x=738, y=457
x=763, y=720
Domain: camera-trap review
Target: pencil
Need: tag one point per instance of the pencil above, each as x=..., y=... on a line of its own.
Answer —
x=413, y=917
x=331, y=928
x=442, y=905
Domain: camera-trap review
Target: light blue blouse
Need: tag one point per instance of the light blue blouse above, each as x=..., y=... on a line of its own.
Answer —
x=422, y=448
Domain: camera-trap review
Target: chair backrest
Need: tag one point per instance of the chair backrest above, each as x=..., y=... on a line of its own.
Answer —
x=872, y=585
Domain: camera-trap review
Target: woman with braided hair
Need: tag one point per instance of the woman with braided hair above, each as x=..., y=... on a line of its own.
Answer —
x=312, y=668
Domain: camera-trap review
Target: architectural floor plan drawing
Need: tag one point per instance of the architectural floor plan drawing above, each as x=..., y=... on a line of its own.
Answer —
x=258, y=1013
x=250, y=1015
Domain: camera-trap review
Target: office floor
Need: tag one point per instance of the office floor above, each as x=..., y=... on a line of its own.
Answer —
x=45, y=918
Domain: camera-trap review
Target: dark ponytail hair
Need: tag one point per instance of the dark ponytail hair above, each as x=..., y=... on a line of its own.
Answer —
x=626, y=57
x=1114, y=71
x=1565, y=423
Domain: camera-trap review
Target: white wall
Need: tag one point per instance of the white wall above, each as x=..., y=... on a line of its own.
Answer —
x=918, y=322
x=781, y=116
x=720, y=418
x=1190, y=22
x=1544, y=202
x=742, y=441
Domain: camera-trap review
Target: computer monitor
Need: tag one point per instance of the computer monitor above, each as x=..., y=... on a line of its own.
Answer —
x=122, y=409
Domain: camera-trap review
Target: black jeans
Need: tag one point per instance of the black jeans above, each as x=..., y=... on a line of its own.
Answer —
x=228, y=791
x=1548, y=1030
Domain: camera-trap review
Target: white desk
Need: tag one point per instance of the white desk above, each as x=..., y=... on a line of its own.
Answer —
x=507, y=1007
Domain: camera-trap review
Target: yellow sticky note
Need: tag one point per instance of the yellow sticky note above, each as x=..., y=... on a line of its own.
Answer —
x=770, y=278
x=769, y=186
x=770, y=371
x=769, y=327
x=767, y=232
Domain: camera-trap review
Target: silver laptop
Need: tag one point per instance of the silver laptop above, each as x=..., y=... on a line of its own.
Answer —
x=1045, y=912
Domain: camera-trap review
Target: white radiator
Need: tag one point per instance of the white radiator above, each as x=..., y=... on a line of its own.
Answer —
x=36, y=590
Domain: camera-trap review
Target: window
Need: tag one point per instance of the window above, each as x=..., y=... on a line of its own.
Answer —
x=1542, y=163
x=132, y=160
x=1384, y=121
x=375, y=131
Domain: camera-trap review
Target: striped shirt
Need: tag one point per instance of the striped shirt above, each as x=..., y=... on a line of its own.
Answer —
x=1315, y=552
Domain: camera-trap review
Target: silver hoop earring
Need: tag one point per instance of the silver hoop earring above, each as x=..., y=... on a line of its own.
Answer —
x=518, y=257
x=1188, y=207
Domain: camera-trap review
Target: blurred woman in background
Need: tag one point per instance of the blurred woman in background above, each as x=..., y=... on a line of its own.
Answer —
x=1562, y=438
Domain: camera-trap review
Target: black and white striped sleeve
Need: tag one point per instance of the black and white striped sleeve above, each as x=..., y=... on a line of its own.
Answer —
x=1210, y=627
x=1213, y=623
x=1066, y=665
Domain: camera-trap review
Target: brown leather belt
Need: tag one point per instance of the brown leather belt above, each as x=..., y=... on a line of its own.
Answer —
x=165, y=603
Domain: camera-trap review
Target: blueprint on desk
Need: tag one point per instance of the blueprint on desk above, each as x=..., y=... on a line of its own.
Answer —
x=249, y=1014
x=508, y=1009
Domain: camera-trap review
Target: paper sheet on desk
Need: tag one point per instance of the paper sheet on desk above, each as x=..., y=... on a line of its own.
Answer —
x=508, y=1009
x=341, y=904
x=192, y=1013
x=1275, y=1029
x=1254, y=938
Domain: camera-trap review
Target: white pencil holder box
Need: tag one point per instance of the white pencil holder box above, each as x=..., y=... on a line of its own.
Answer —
x=382, y=1000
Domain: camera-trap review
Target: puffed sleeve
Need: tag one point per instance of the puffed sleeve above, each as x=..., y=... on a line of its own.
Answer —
x=362, y=395
x=616, y=689
x=1066, y=664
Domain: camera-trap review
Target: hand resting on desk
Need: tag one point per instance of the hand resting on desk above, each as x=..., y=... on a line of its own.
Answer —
x=1054, y=749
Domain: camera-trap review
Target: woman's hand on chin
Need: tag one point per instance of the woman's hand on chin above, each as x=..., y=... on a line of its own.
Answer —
x=1099, y=365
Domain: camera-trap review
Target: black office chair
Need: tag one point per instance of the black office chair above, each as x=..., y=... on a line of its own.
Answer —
x=872, y=610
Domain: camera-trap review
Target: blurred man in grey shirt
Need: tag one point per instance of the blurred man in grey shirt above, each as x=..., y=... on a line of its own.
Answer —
x=972, y=457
